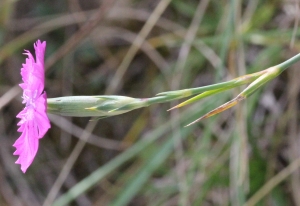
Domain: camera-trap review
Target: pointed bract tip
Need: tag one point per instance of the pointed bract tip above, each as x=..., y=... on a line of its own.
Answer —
x=220, y=109
x=197, y=120
x=177, y=106
x=91, y=108
x=113, y=110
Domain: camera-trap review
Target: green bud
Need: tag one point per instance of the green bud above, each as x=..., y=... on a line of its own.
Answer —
x=93, y=106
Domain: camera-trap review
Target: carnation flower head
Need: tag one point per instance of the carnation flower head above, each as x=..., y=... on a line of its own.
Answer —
x=34, y=122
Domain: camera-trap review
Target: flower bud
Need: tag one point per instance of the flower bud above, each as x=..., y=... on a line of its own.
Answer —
x=93, y=106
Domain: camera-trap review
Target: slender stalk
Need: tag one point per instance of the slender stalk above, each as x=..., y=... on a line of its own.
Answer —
x=161, y=99
x=284, y=65
x=111, y=105
x=228, y=84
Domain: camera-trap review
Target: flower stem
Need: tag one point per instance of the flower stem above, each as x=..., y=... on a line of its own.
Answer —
x=284, y=65
x=110, y=105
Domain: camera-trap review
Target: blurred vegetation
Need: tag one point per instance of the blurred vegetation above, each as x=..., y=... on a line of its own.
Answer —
x=248, y=155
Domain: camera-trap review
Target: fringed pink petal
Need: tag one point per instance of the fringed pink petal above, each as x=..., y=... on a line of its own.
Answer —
x=26, y=147
x=41, y=118
x=34, y=122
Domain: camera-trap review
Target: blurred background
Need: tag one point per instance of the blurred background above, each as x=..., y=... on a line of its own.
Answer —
x=248, y=155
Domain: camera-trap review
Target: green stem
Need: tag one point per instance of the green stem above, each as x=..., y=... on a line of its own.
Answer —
x=161, y=99
x=224, y=85
x=272, y=72
x=284, y=65
x=104, y=106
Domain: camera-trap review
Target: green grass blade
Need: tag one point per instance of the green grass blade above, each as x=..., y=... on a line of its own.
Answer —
x=140, y=179
x=108, y=168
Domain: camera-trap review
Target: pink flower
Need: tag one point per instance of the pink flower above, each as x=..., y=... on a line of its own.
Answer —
x=34, y=122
